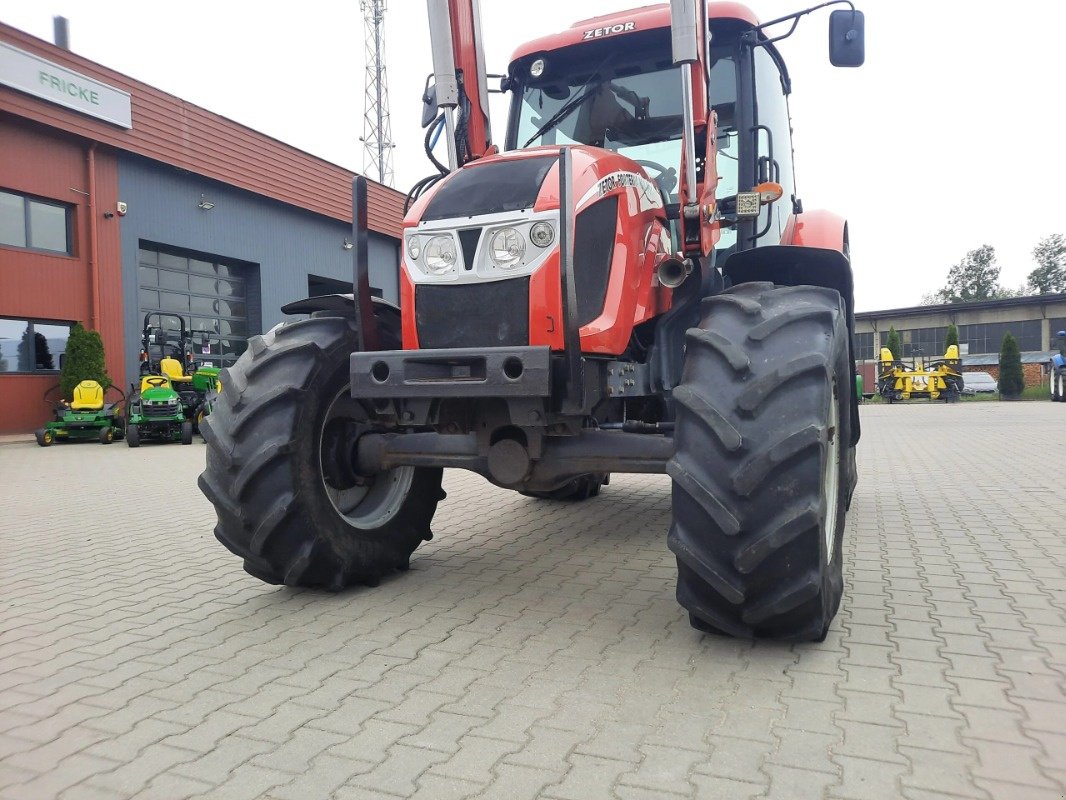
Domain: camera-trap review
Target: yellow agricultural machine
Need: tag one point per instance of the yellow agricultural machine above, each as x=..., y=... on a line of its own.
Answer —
x=939, y=379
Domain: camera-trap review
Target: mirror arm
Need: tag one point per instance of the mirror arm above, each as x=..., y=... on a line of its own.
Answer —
x=751, y=37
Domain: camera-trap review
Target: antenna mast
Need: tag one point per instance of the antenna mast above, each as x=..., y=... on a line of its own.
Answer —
x=377, y=130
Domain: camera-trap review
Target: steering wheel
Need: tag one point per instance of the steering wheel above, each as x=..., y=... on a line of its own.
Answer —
x=667, y=177
x=156, y=381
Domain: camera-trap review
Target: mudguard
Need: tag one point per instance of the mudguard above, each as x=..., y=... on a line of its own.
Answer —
x=344, y=303
x=814, y=251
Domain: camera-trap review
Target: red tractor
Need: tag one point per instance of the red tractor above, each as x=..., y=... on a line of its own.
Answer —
x=630, y=285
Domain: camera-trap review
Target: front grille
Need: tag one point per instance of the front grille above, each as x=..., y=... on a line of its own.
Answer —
x=160, y=409
x=593, y=252
x=494, y=314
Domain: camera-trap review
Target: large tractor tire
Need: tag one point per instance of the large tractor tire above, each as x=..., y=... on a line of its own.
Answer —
x=762, y=472
x=1058, y=386
x=279, y=469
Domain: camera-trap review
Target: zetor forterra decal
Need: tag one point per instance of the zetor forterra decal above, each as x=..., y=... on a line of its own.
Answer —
x=646, y=192
x=610, y=30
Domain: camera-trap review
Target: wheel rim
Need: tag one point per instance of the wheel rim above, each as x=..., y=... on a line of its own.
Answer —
x=831, y=473
x=375, y=501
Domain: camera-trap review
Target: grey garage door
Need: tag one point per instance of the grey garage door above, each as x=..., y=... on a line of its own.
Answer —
x=210, y=295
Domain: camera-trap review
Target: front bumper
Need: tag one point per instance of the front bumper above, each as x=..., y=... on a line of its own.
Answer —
x=452, y=372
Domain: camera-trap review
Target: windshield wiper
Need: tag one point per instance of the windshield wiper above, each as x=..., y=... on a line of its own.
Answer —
x=563, y=112
x=584, y=93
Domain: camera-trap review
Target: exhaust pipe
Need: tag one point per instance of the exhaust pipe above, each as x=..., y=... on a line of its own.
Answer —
x=673, y=271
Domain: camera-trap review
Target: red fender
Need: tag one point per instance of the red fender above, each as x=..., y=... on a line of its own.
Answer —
x=817, y=228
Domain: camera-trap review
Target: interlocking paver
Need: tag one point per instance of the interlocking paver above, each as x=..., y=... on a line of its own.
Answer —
x=535, y=648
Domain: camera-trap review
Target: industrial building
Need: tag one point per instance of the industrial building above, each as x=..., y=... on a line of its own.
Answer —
x=117, y=199
x=1033, y=321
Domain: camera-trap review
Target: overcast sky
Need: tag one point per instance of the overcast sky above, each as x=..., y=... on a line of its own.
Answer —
x=948, y=138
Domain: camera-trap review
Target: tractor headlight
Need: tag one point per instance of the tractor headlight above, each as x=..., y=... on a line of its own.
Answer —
x=439, y=256
x=542, y=234
x=506, y=248
x=414, y=247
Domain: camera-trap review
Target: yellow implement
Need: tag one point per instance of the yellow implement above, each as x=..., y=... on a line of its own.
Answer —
x=938, y=379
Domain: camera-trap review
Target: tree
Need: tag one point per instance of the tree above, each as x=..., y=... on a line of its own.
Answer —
x=973, y=279
x=84, y=360
x=1050, y=276
x=33, y=352
x=894, y=343
x=951, y=337
x=1011, y=379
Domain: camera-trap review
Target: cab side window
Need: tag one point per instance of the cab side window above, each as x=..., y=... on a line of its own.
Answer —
x=775, y=146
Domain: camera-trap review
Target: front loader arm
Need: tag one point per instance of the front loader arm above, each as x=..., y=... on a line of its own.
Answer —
x=459, y=74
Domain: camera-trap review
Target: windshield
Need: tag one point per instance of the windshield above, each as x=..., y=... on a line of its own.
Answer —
x=629, y=105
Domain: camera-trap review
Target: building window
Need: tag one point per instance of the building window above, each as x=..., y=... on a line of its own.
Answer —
x=987, y=337
x=864, y=346
x=1056, y=324
x=31, y=345
x=34, y=224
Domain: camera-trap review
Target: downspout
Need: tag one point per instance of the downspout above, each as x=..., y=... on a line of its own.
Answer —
x=94, y=252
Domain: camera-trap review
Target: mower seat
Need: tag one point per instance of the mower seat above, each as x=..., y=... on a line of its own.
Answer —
x=88, y=396
x=171, y=367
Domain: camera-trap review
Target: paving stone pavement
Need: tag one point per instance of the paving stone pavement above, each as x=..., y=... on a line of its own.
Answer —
x=535, y=648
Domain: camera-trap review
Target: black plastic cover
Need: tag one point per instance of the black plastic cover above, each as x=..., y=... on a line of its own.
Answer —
x=510, y=185
x=593, y=251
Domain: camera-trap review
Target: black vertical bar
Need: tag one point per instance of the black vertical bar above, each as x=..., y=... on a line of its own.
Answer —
x=574, y=401
x=365, y=323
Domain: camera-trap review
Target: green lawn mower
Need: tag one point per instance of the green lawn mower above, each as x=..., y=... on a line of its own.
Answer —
x=175, y=392
x=87, y=416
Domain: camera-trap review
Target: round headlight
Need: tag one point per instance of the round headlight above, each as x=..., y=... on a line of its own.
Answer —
x=542, y=234
x=440, y=255
x=506, y=248
x=414, y=247
x=536, y=69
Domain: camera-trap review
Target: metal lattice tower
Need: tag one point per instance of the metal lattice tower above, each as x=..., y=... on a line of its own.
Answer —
x=377, y=130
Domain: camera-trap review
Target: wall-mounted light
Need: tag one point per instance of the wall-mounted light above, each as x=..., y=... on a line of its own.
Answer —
x=205, y=204
x=347, y=244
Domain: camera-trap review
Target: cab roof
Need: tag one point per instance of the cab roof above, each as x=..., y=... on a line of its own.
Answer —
x=636, y=19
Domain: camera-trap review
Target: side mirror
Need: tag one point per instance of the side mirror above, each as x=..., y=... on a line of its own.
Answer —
x=429, y=106
x=847, y=43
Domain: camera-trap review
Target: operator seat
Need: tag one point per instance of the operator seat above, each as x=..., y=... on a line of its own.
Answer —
x=171, y=367
x=88, y=396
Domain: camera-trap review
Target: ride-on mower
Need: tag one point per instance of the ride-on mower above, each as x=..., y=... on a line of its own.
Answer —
x=175, y=394
x=939, y=379
x=633, y=285
x=88, y=415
